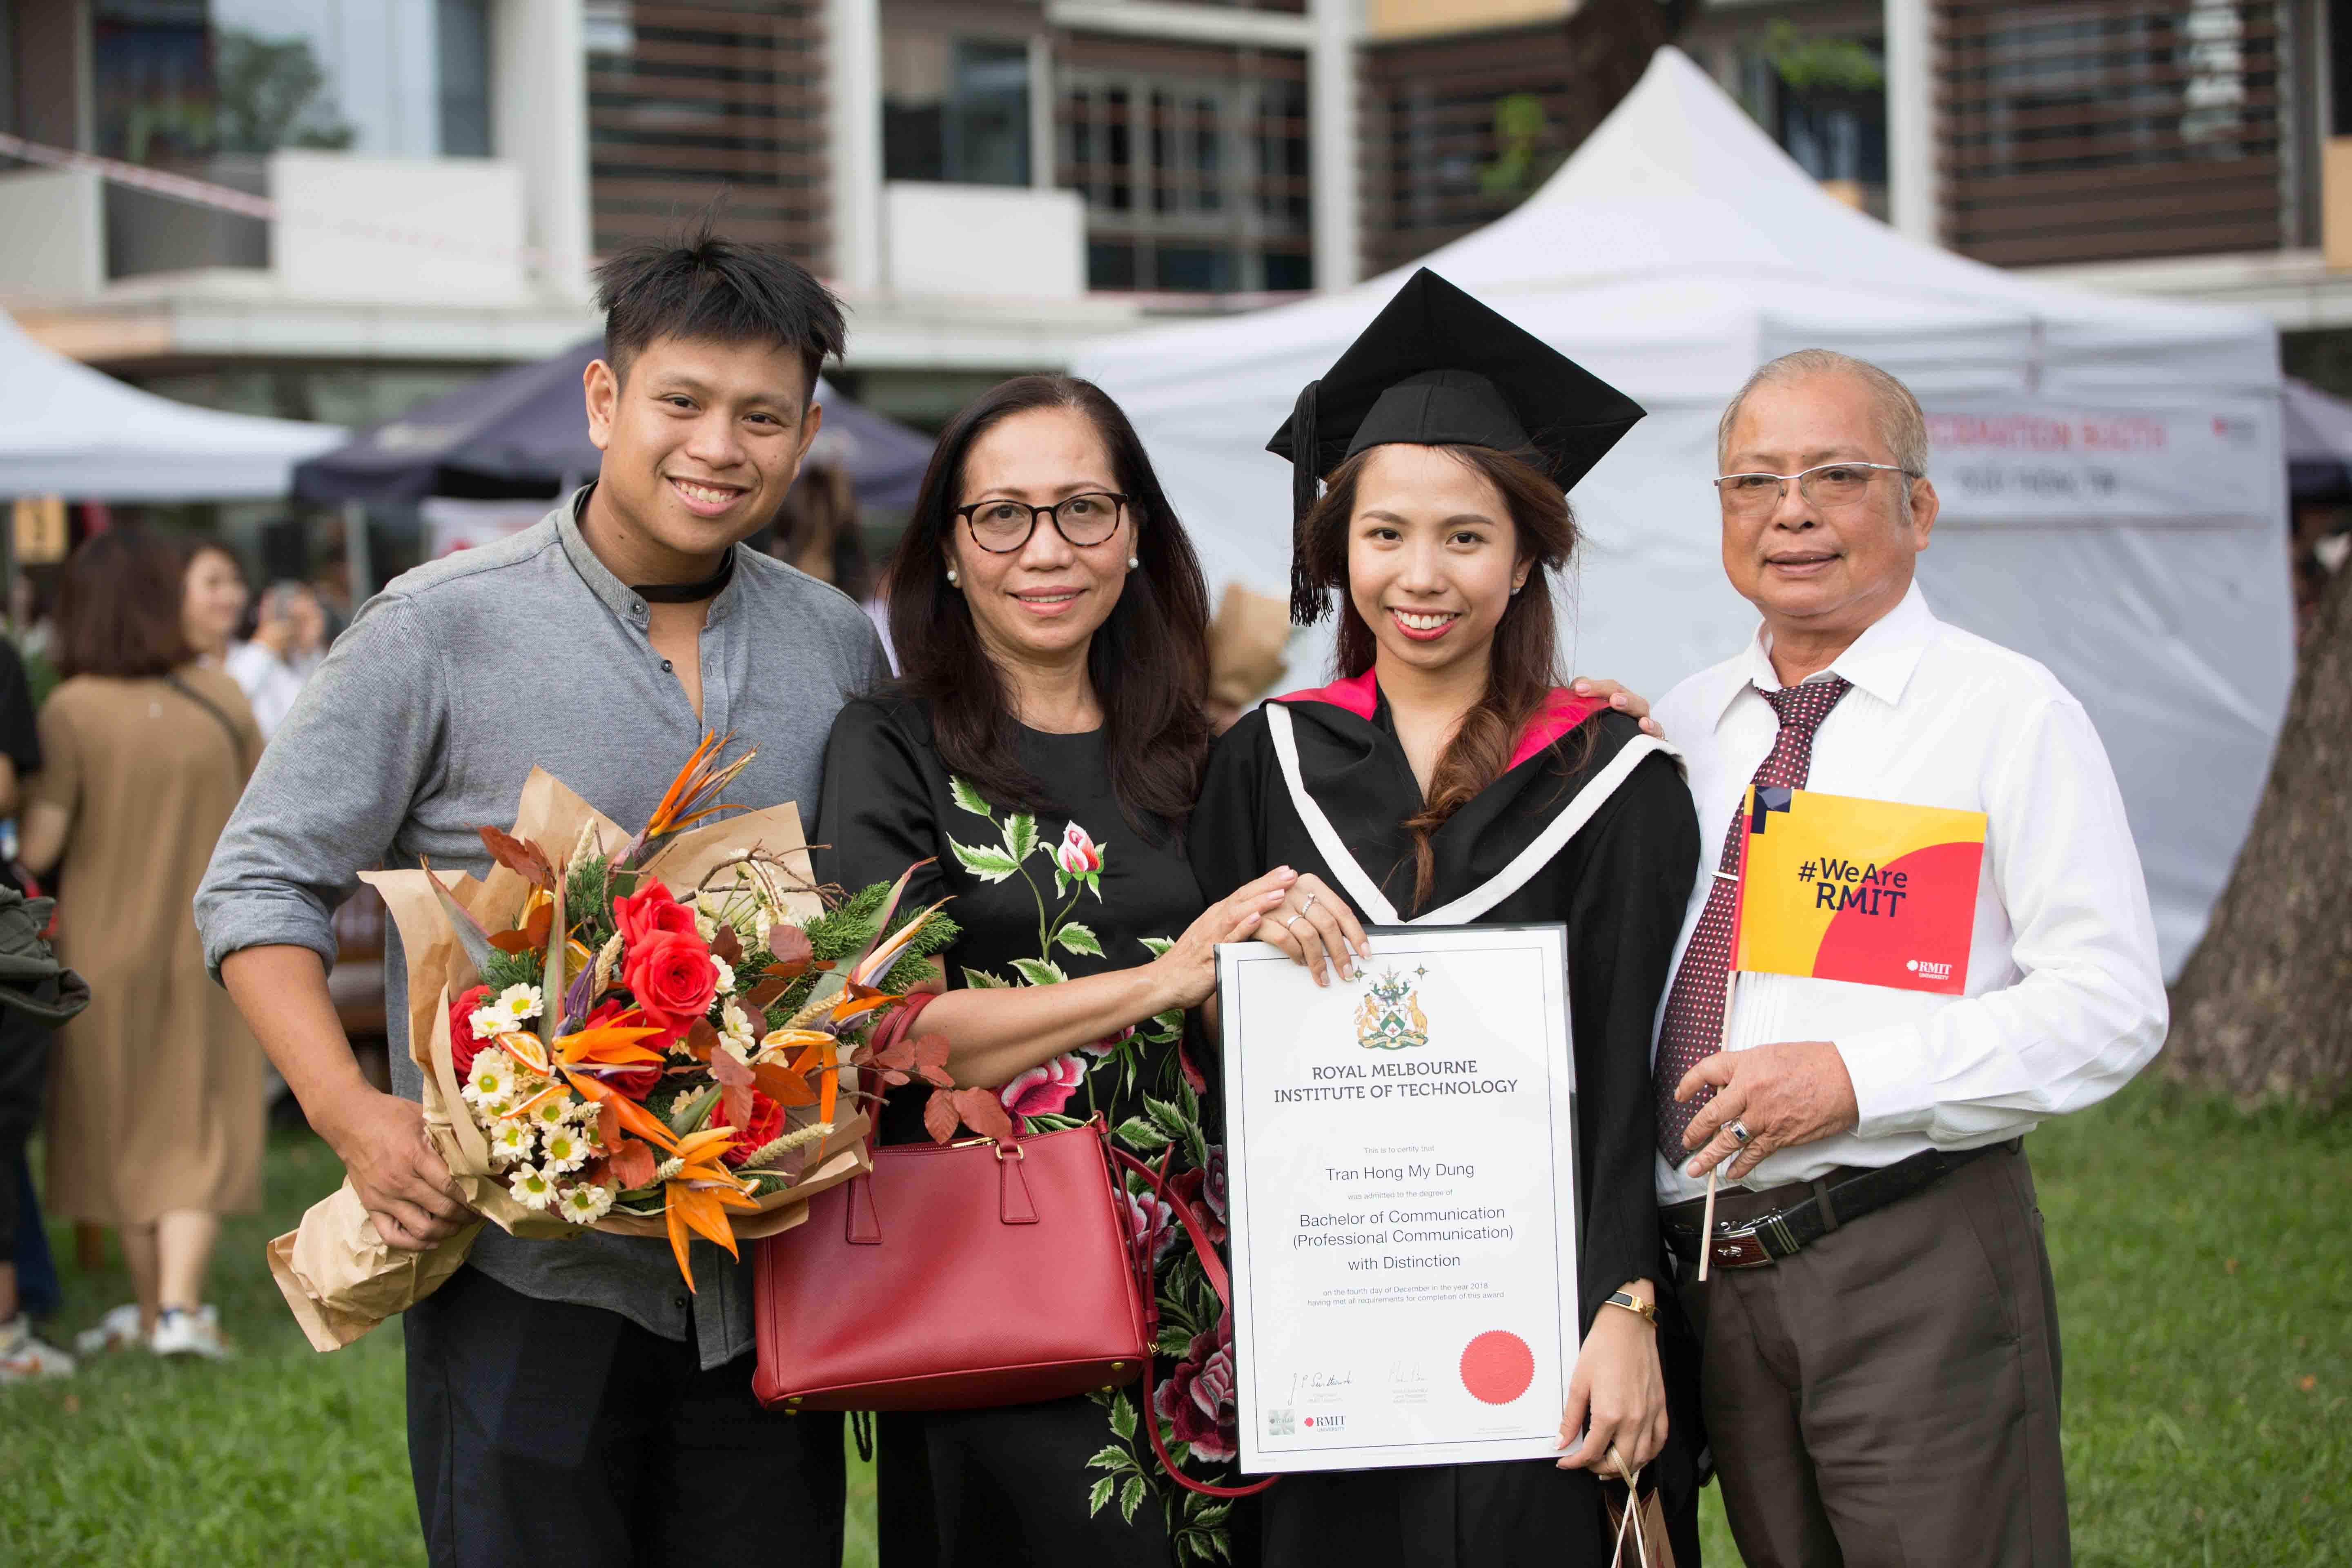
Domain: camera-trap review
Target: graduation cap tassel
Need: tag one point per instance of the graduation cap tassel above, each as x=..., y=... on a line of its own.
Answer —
x=1308, y=602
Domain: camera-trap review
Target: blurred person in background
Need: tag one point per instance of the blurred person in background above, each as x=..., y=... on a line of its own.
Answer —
x=212, y=600
x=24, y=1060
x=290, y=638
x=817, y=531
x=157, y=1117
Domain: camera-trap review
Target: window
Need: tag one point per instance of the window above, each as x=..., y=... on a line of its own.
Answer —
x=1193, y=162
x=955, y=109
x=465, y=77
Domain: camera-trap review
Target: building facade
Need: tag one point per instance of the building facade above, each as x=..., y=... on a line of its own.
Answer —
x=989, y=182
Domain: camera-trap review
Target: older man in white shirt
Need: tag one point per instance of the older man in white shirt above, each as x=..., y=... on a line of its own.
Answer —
x=1879, y=1332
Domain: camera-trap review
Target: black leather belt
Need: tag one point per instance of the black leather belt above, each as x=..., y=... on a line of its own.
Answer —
x=1782, y=1232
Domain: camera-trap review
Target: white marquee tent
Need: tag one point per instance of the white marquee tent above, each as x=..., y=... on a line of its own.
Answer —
x=2111, y=469
x=67, y=429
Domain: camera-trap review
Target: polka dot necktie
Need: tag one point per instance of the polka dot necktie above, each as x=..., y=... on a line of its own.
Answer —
x=1693, y=1030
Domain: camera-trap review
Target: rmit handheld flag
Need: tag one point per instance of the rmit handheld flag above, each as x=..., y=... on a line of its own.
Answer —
x=1836, y=887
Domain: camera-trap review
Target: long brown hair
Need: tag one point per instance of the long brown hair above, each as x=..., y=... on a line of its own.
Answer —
x=1149, y=660
x=118, y=610
x=1522, y=661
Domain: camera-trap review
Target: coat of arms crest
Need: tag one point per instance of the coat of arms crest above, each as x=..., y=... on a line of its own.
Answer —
x=1389, y=1018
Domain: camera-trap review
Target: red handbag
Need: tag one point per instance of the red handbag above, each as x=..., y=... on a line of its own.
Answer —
x=971, y=1274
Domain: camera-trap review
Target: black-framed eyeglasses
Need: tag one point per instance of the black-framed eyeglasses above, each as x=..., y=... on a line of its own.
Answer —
x=1002, y=527
x=1824, y=485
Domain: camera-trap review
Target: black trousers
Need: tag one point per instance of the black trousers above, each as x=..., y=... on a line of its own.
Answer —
x=23, y=1079
x=1888, y=1397
x=545, y=1435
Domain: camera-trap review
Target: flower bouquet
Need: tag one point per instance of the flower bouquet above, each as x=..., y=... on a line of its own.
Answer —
x=655, y=1034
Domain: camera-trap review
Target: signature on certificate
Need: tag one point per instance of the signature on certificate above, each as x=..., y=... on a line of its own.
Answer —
x=1305, y=1383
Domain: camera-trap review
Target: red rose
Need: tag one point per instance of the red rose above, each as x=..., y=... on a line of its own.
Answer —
x=671, y=975
x=464, y=1044
x=637, y=1082
x=765, y=1125
x=649, y=911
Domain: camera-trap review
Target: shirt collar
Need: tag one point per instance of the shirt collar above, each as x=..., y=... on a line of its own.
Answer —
x=617, y=596
x=1880, y=660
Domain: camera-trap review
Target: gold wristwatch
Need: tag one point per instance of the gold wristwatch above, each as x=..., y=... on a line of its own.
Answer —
x=1645, y=1310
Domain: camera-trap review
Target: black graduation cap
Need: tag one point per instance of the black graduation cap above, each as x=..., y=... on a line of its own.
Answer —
x=1438, y=368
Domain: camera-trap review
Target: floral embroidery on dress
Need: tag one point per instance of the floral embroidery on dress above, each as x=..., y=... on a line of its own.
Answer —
x=1139, y=1083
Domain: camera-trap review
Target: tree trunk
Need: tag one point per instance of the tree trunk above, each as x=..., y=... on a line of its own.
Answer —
x=2264, y=1010
x=1609, y=43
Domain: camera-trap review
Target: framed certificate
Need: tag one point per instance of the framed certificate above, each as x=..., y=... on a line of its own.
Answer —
x=1402, y=1193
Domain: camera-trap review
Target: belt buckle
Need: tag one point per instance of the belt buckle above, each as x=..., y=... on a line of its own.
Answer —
x=1743, y=1247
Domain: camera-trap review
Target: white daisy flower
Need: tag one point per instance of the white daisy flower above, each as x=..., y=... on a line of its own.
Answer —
x=492, y=1078
x=552, y=1112
x=516, y=1005
x=726, y=974
x=510, y=1143
x=585, y=1204
x=487, y=1022
x=705, y=926
x=565, y=1150
x=737, y=1032
x=533, y=1186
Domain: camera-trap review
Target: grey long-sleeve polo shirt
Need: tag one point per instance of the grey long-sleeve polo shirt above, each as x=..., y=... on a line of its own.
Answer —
x=423, y=722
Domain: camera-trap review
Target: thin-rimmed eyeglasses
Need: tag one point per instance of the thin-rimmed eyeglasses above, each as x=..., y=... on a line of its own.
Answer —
x=1823, y=484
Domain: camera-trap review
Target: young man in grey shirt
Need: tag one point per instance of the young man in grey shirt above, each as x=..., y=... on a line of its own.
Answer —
x=568, y=1402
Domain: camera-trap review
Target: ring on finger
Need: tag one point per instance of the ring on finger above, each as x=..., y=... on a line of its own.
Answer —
x=1308, y=904
x=1738, y=1131
x=1294, y=920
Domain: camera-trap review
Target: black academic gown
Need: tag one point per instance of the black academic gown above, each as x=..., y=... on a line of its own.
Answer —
x=1619, y=884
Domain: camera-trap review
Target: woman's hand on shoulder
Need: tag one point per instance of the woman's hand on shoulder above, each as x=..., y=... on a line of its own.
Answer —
x=1621, y=698
x=1190, y=966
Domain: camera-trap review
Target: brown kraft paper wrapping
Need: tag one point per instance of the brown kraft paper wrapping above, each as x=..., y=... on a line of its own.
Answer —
x=339, y=1276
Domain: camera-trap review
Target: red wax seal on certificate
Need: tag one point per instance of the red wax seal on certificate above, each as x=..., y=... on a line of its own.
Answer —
x=1497, y=1367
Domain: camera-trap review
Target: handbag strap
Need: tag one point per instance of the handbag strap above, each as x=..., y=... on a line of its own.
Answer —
x=235, y=736
x=1213, y=1268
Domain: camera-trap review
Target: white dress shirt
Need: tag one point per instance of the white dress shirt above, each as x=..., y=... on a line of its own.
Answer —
x=2066, y=997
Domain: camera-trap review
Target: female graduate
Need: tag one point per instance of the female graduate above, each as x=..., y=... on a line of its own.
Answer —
x=1412, y=789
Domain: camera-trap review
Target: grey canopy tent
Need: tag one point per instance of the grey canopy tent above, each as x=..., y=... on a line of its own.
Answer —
x=524, y=433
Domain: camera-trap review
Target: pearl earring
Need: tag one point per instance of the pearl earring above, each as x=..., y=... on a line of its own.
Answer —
x=1132, y=563
x=953, y=578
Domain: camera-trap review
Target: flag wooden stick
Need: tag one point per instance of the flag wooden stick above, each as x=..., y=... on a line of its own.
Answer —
x=1706, y=1227
x=1723, y=1036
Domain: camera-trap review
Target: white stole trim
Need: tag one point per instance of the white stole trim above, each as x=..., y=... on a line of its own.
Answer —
x=1374, y=906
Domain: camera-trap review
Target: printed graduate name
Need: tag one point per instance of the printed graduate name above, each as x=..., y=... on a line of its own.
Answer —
x=1843, y=885
x=1372, y=1081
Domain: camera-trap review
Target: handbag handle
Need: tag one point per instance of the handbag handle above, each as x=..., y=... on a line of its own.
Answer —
x=1213, y=1268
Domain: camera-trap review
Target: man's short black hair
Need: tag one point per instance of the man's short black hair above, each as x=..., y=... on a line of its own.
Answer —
x=703, y=286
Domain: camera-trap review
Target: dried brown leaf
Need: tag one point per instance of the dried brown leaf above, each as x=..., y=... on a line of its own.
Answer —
x=786, y=1089
x=702, y=1039
x=634, y=1163
x=940, y=1117
x=790, y=945
x=727, y=944
x=762, y=996
x=513, y=942
x=726, y=1067
x=526, y=860
x=983, y=1112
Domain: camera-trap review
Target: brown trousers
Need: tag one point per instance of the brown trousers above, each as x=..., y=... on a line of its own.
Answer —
x=1888, y=1396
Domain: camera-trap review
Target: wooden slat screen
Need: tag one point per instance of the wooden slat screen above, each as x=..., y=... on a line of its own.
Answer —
x=1428, y=132
x=2108, y=129
x=718, y=94
x=1193, y=162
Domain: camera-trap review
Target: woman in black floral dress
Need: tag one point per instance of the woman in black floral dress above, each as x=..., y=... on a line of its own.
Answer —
x=1042, y=750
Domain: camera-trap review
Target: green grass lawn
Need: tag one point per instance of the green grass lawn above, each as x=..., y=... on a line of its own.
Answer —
x=2204, y=1273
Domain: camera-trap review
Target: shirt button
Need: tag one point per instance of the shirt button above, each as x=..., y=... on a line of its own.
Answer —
x=664, y=666
x=680, y=1302
x=636, y=608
